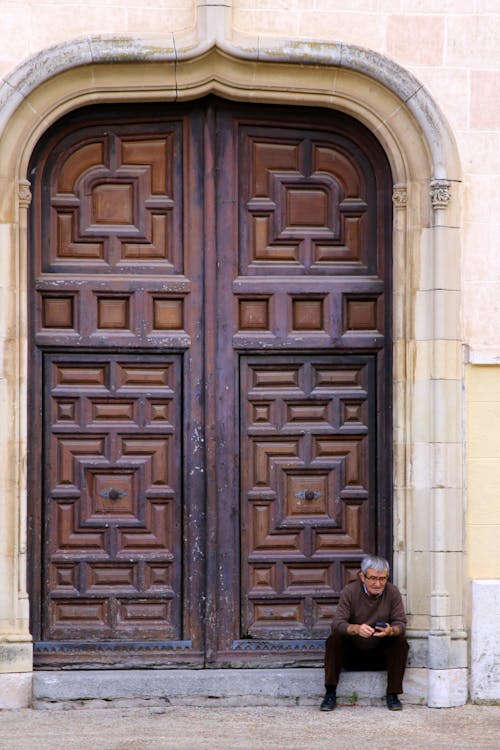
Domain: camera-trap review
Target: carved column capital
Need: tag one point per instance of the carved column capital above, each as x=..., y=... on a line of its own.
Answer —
x=24, y=192
x=440, y=193
x=400, y=195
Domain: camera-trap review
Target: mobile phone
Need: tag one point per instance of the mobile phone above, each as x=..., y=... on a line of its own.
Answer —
x=380, y=624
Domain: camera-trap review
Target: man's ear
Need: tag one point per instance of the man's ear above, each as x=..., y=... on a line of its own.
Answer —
x=360, y=573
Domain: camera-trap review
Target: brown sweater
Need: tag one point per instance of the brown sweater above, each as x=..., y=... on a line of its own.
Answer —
x=357, y=607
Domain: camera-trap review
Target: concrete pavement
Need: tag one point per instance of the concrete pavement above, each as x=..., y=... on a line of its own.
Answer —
x=212, y=727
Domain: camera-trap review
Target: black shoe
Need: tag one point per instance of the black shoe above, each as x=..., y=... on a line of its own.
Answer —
x=329, y=701
x=393, y=702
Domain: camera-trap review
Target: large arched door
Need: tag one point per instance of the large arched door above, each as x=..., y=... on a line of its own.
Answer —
x=210, y=445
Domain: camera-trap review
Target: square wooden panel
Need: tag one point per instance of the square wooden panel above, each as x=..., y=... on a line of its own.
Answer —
x=360, y=313
x=57, y=312
x=113, y=313
x=307, y=314
x=113, y=204
x=306, y=207
x=168, y=314
x=253, y=314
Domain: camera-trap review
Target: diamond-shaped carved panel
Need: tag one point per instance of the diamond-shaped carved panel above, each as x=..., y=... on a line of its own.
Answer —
x=116, y=202
x=306, y=490
x=114, y=500
x=306, y=207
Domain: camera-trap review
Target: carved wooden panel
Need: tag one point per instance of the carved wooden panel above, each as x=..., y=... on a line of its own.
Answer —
x=230, y=263
x=307, y=488
x=116, y=200
x=113, y=558
x=305, y=204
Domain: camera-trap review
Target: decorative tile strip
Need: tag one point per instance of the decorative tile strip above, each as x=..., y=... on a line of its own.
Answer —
x=67, y=647
x=285, y=645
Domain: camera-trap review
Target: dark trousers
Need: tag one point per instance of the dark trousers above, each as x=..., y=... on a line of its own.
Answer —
x=356, y=653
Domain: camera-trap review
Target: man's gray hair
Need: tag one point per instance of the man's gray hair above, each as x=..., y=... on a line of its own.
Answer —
x=374, y=562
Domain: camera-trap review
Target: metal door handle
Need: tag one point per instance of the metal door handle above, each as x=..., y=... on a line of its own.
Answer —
x=112, y=494
x=308, y=495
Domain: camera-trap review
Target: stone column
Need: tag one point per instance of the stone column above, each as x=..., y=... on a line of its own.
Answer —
x=447, y=659
x=15, y=640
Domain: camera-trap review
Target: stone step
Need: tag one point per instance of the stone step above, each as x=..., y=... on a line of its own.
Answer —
x=224, y=687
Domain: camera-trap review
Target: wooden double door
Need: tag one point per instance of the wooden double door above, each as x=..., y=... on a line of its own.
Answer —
x=210, y=445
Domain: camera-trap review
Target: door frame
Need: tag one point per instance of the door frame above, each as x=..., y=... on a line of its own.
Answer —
x=427, y=220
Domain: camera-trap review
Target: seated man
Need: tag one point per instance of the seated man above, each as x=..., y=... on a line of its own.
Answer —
x=368, y=630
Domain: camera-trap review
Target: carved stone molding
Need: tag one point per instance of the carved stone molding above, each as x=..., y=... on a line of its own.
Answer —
x=24, y=192
x=440, y=193
x=400, y=196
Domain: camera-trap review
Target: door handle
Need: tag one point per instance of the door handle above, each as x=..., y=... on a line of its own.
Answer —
x=308, y=495
x=112, y=494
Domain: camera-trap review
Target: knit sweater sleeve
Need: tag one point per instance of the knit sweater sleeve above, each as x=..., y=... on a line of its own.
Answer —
x=397, y=615
x=343, y=613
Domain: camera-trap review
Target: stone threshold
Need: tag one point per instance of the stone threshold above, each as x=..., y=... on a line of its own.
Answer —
x=222, y=687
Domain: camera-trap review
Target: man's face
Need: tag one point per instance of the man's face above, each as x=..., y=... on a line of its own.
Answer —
x=374, y=581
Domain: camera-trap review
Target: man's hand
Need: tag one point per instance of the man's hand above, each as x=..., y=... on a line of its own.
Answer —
x=364, y=630
x=383, y=632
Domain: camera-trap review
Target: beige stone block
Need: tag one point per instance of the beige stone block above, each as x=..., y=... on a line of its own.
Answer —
x=472, y=40
x=15, y=690
x=440, y=258
x=437, y=315
x=402, y=404
x=265, y=22
x=350, y=28
x=480, y=150
x=448, y=577
x=7, y=273
x=447, y=519
x=483, y=551
x=447, y=461
x=481, y=259
x=450, y=89
x=447, y=321
x=16, y=656
x=159, y=79
x=50, y=25
x=446, y=417
x=483, y=433
x=446, y=361
x=418, y=585
x=421, y=411
x=420, y=467
x=482, y=385
x=273, y=5
x=149, y=20
x=416, y=39
x=419, y=519
x=403, y=357
x=485, y=95
x=16, y=30
x=437, y=6
x=353, y=6
x=481, y=303
x=487, y=6
x=423, y=317
x=483, y=491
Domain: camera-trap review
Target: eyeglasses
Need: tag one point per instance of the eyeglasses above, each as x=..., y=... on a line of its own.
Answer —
x=379, y=579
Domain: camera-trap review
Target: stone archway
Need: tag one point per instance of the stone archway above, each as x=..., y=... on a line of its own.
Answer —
x=428, y=552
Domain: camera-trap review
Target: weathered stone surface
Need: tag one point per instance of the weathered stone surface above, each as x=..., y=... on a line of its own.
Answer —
x=485, y=651
x=235, y=687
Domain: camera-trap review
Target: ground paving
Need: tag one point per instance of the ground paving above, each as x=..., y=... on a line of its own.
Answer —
x=252, y=728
